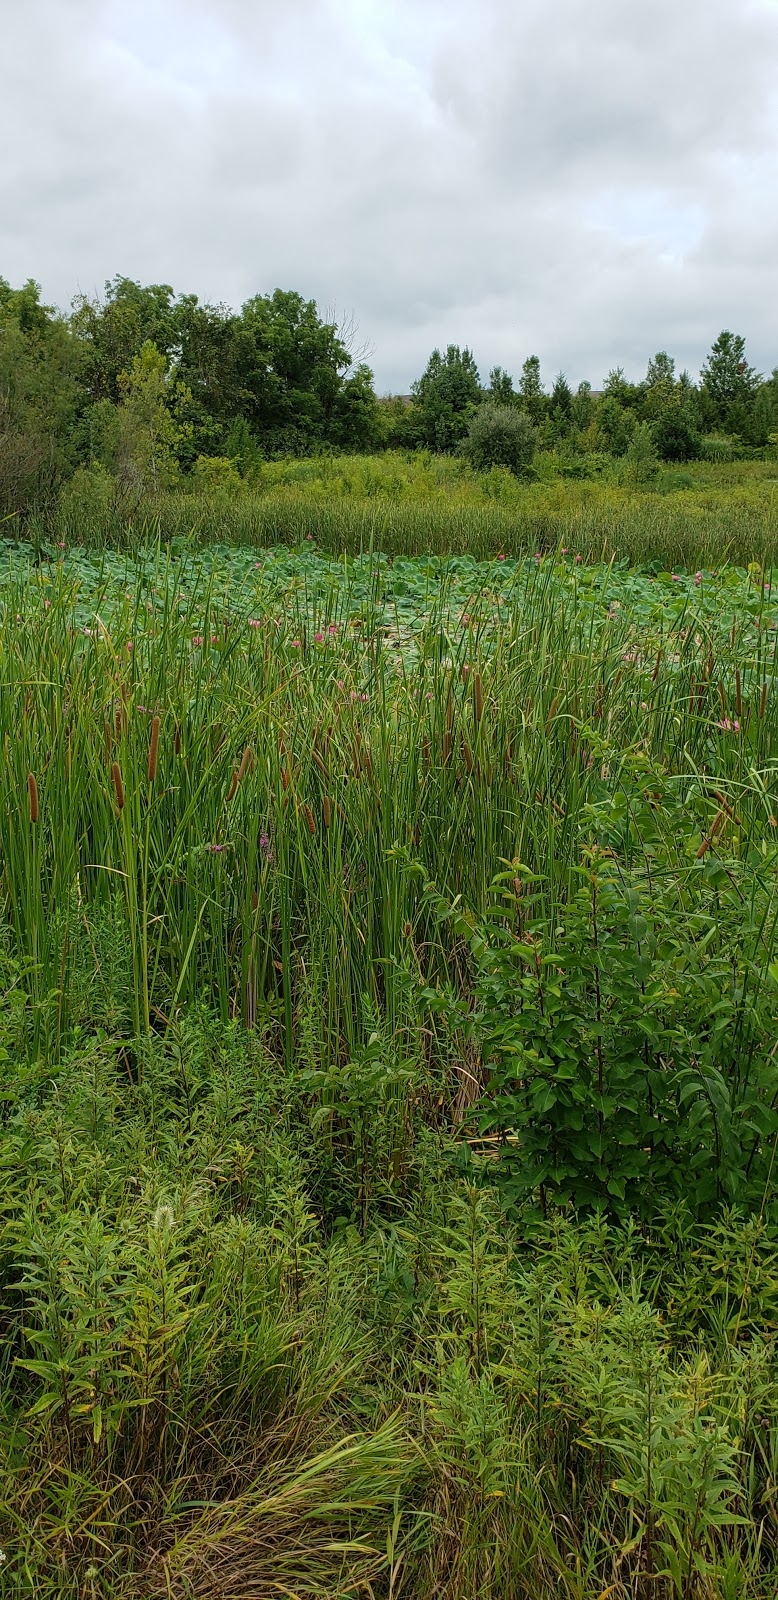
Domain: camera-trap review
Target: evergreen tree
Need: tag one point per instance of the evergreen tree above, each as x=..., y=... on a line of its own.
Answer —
x=445, y=397
x=501, y=390
x=727, y=378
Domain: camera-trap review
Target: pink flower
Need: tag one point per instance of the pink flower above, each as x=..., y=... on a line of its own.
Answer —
x=333, y=627
x=698, y=577
x=501, y=557
x=318, y=638
x=579, y=559
x=257, y=564
x=676, y=578
x=197, y=639
x=254, y=622
x=465, y=668
x=563, y=550
x=295, y=644
x=538, y=555
x=728, y=727
x=465, y=616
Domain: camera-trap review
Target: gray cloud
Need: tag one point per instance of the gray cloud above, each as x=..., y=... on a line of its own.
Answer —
x=590, y=182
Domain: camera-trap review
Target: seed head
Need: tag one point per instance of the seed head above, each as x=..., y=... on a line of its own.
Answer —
x=118, y=785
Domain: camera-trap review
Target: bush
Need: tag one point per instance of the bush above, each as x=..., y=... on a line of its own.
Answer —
x=216, y=472
x=675, y=435
x=500, y=436
x=717, y=447
x=88, y=502
x=641, y=463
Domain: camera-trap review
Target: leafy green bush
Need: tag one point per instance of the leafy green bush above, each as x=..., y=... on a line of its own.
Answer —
x=675, y=435
x=216, y=473
x=500, y=436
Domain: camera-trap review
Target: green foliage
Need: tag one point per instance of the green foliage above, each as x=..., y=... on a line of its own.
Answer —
x=675, y=435
x=501, y=391
x=531, y=388
x=641, y=462
x=216, y=473
x=726, y=375
x=500, y=436
x=445, y=397
x=150, y=433
x=717, y=447
x=626, y=1033
x=39, y=400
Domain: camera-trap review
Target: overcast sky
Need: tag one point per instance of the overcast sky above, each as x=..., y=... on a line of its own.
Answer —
x=589, y=180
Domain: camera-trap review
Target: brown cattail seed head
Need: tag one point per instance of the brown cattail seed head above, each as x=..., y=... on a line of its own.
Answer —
x=153, y=750
x=118, y=785
x=246, y=761
x=233, y=786
x=32, y=791
x=309, y=819
x=479, y=697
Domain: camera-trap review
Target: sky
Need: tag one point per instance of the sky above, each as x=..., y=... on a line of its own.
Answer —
x=585, y=180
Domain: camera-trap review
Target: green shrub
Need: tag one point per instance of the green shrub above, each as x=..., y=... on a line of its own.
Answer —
x=500, y=436
x=211, y=473
x=717, y=447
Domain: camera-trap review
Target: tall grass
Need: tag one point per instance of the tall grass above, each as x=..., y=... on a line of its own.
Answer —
x=301, y=761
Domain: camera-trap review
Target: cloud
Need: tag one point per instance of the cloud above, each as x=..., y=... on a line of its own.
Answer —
x=589, y=182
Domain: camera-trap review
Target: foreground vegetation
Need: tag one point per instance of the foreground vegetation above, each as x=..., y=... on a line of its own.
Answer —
x=388, y=1076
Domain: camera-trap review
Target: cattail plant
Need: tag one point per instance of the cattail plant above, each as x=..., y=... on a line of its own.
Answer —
x=32, y=794
x=117, y=784
x=151, y=770
x=478, y=695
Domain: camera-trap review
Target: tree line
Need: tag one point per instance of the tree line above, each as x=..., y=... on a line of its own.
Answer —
x=150, y=389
